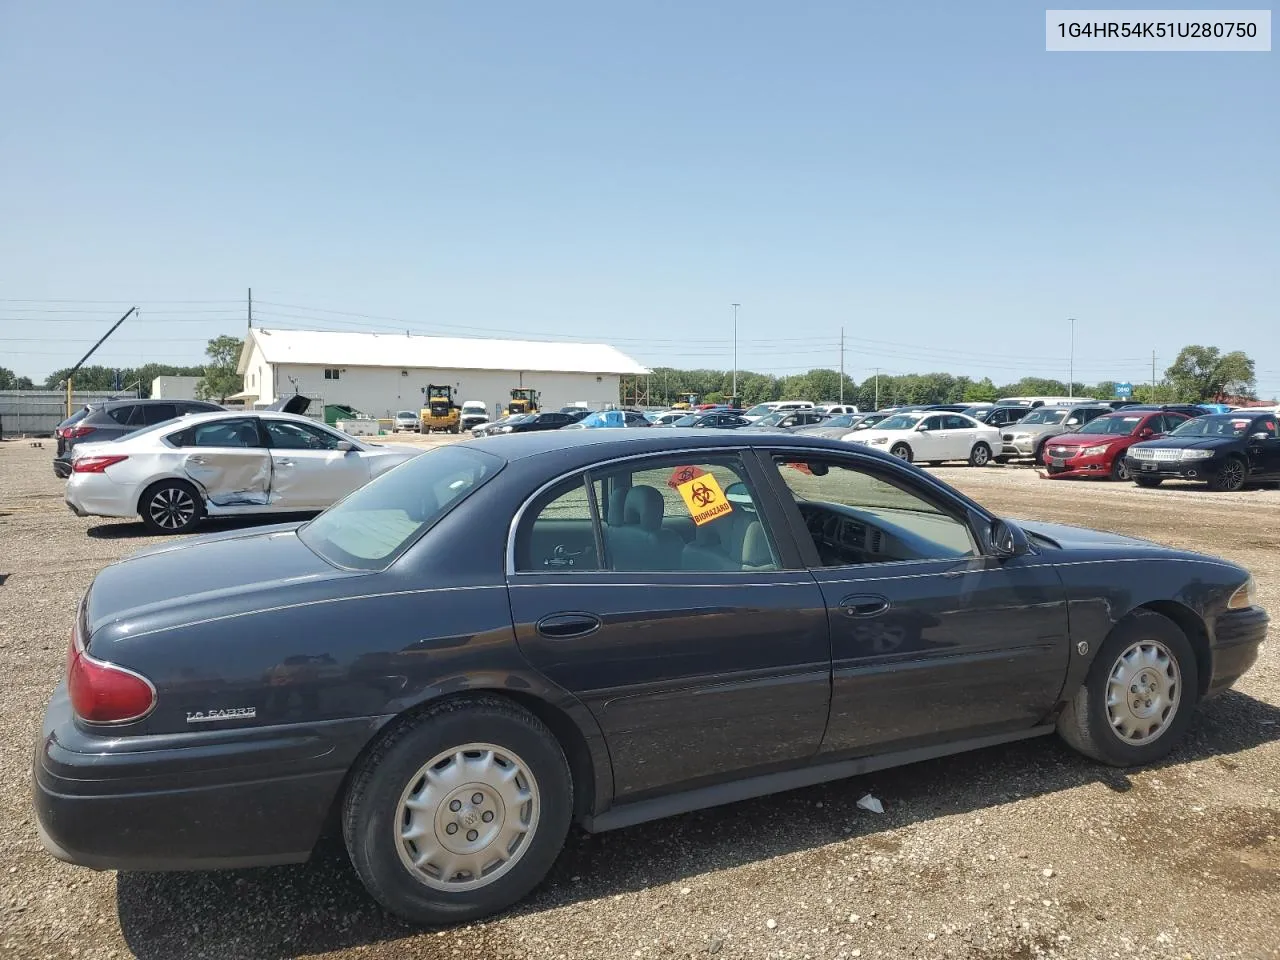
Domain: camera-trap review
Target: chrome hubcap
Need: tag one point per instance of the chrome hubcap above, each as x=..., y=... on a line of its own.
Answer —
x=900, y=452
x=1232, y=473
x=1143, y=692
x=980, y=455
x=1122, y=469
x=172, y=508
x=467, y=817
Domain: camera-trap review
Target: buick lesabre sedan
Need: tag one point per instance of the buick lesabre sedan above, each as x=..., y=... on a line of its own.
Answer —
x=498, y=639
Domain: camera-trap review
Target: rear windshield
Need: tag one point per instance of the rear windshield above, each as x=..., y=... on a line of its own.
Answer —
x=372, y=526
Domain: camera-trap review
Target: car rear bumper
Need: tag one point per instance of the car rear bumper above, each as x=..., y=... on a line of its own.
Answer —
x=1237, y=636
x=97, y=495
x=193, y=801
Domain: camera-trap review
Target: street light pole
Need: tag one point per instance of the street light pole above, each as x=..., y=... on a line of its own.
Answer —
x=1071, y=364
x=735, y=351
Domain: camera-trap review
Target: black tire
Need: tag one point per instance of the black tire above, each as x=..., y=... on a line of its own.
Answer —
x=935, y=463
x=1231, y=476
x=170, y=507
x=1038, y=456
x=980, y=455
x=1148, y=482
x=901, y=451
x=1120, y=470
x=1085, y=724
x=372, y=802
x=1001, y=458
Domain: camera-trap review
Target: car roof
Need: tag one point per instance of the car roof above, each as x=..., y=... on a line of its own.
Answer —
x=607, y=444
x=214, y=415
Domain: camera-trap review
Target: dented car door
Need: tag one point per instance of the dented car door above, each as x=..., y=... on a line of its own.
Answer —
x=310, y=470
x=228, y=461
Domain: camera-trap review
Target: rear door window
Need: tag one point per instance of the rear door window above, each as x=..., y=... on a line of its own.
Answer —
x=123, y=415
x=955, y=423
x=241, y=432
x=153, y=413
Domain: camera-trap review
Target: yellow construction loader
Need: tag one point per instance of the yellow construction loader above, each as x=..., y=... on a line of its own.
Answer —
x=523, y=400
x=440, y=413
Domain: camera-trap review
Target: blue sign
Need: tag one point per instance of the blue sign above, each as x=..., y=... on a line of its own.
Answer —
x=1124, y=391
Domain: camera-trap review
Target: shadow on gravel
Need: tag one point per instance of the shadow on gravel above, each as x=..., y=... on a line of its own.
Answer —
x=320, y=906
x=136, y=531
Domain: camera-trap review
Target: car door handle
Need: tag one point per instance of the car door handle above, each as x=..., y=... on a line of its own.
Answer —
x=564, y=626
x=196, y=460
x=864, y=605
x=284, y=463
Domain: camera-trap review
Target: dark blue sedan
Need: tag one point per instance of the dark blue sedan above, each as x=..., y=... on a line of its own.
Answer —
x=501, y=638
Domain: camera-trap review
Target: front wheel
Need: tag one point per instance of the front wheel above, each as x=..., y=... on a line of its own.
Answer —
x=170, y=506
x=1230, y=476
x=1136, y=700
x=1120, y=469
x=901, y=451
x=980, y=455
x=460, y=812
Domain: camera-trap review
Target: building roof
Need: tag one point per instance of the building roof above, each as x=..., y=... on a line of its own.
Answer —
x=341, y=348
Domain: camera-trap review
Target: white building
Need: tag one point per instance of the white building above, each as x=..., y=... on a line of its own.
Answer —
x=174, y=388
x=379, y=373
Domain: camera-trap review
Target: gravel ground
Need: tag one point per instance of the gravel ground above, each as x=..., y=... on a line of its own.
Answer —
x=1015, y=852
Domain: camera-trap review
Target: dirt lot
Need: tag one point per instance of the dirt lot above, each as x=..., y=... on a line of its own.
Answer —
x=1015, y=852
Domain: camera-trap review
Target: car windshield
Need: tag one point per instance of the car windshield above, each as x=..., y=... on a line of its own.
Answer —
x=688, y=421
x=759, y=410
x=900, y=421
x=371, y=527
x=772, y=420
x=521, y=418
x=1113, y=425
x=406, y=415
x=842, y=420
x=1044, y=415
x=976, y=412
x=1220, y=425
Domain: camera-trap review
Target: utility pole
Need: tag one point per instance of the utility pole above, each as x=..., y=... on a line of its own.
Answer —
x=735, y=352
x=842, y=365
x=251, y=308
x=72, y=372
x=877, y=388
x=1153, y=375
x=1071, y=368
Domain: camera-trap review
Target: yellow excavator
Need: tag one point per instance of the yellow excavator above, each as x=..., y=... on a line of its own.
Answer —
x=523, y=400
x=440, y=413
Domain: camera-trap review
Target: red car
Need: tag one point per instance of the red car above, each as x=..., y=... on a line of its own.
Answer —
x=1098, y=449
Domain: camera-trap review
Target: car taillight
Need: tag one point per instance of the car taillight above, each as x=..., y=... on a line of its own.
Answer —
x=95, y=464
x=104, y=693
x=74, y=433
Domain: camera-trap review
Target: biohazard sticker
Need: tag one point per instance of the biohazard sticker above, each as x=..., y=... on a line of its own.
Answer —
x=704, y=498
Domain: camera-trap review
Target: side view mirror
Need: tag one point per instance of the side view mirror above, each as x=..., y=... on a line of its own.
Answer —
x=1008, y=540
x=1146, y=433
x=1260, y=435
x=344, y=445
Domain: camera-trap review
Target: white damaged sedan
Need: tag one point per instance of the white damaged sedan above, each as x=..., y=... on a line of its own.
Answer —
x=176, y=473
x=933, y=437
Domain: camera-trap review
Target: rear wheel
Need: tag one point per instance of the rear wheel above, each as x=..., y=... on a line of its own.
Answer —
x=980, y=455
x=459, y=813
x=1120, y=469
x=1230, y=476
x=1136, y=701
x=901, y=451
x=1148, y=481
x=170, y=506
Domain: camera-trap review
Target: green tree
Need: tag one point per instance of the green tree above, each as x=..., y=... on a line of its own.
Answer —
x=1205, y=373
x=220, y=379
x=11, y=381
x=980, y=391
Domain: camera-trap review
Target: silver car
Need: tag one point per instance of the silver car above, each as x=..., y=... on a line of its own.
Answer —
x=833, y=427
x=1027, y=437
x=173, y=475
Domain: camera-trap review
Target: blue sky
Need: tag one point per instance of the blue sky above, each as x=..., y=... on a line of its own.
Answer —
x=924, y=175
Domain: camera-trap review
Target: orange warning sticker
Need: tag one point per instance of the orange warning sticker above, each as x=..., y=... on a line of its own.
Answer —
x=704, y=498
x=683, y=475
